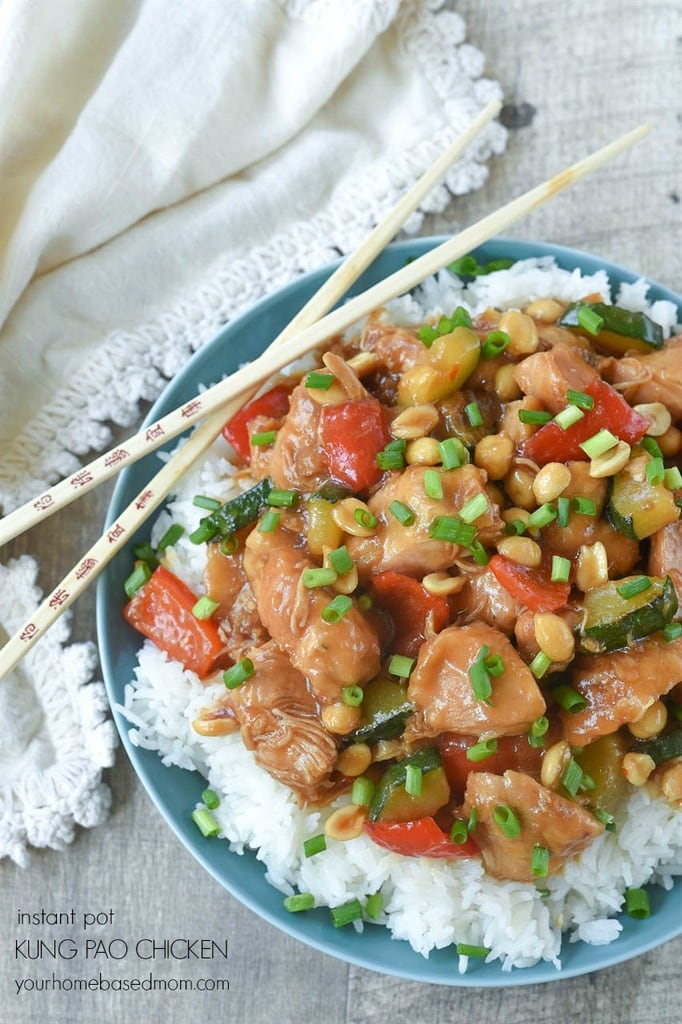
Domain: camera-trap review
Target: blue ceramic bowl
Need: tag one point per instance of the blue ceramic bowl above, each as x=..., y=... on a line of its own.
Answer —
x=176, y=792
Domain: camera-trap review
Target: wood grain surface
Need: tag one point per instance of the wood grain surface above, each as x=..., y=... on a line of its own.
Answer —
x=575, y=75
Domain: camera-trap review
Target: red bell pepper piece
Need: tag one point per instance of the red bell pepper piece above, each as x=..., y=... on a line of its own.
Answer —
x=352, y=433
x=409, y=604
x=420, y=838
x=532, y=587
x=162, y=611
x=513, y=752
x=610, y=411
x=274, y=404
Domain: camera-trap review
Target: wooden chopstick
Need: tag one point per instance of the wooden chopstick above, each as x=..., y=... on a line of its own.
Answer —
x=270, y=362
x=89, y=567
x=113, y=461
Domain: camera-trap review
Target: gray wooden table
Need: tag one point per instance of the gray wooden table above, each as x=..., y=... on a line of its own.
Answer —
x=575, y=75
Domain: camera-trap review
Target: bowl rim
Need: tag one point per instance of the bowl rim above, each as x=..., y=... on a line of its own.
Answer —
x=313, y=929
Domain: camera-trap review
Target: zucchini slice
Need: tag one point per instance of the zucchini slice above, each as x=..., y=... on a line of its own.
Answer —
x=241, y=511
x=392, y=802
x=664, y=748
x=385, y=710
x=637, y=508
x=621, y=331
x=611, y=622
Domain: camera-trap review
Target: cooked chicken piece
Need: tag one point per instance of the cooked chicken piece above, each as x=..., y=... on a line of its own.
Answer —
x=622, y=552
x=441, y=687
x=656, y=377
x=297, y=459
x=546, y=819
x=331, y=655
x=237, y=615
x=397, y=347
x=278, y=719
x=665, y=557
x=410, y=549
x=483, y=599
x=620, y=686
x=548, y=375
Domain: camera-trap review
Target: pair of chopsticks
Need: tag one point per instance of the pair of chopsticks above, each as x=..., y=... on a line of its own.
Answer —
x=308, y=330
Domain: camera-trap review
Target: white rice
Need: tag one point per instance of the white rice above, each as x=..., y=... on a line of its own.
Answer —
x=428, y=903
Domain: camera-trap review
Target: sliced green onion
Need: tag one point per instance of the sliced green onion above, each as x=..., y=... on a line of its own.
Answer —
x=413, y=780
x=584, y=506
x=205, y=822
x=561, y=569
x=137, y=579
x=473, y=413
x=453, y=530
x=590, y=320
x=390, y=459
x=655, y=471
x=365, y=602
x=210, y=504
x=474, y=508
x=601, y=442
x=538, y=732
x=637, y=903
x=481, y=750
x=211, y=799
x=170, y=537
x=282, y=499
x=568, y=416
x=433, y=484
x=563, y=511
x=534, y=416
x=461, y=318
x=398, y=444
x=572, y=777
x=319, y=381
x=229, y=545
x=346, y=913
x=540, y=664
x=587, y=782
x=444, y=325
x=374, y=904
x=269, y=522
x=299, y=901
x=205, y=607
x=495, y=665
x=465, y=949
x=341, y=560
x=515, y=528
x=479, y=553
x=479, y=677
x=362, y=791
x=633, y=587
x=352, y=696
x=473, y=819
x=427, y=335
x=507, y=821
x=311, y=578
x=580, y=399
x=459, y=833
x=539, y=861
x=205, y=531
x=465, y=266
x=673, y=631
x=495, y=343
x=453, y=453
x=363, y=517
x=606, y=818
x=263, y=438
x=672, y=478
x=145, y=553
x=542, y=516
x=400, y=665
x=402, y=513
x=238, y=673
x=544, y=894
x=316, y=844
x=651, y=445
x=569, y=699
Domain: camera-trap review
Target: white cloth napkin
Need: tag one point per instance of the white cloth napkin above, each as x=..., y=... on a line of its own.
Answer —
x=163, y=165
